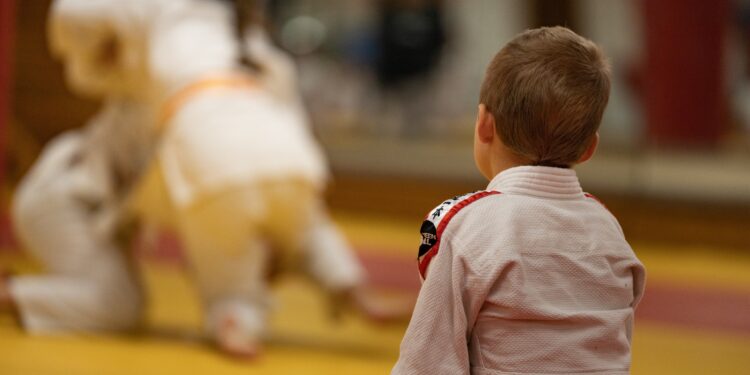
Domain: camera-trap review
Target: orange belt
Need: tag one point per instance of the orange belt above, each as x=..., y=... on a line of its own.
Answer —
x=176, y=101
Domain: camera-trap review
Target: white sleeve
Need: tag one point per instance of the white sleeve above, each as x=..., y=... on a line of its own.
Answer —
x=436, y=341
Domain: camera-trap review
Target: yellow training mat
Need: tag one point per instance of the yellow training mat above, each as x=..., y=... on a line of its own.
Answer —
x=304, y=340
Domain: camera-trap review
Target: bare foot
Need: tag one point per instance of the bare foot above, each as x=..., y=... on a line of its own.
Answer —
x=232, y=340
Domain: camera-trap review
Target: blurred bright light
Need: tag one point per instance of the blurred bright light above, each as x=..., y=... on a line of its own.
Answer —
x=303, y=34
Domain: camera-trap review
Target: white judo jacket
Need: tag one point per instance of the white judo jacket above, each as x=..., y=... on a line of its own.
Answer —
x=533, y=276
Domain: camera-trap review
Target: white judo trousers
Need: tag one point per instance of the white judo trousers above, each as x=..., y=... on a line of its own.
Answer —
x=234, y=239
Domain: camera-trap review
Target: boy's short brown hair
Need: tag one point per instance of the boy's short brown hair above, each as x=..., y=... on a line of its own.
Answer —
x=547, y=90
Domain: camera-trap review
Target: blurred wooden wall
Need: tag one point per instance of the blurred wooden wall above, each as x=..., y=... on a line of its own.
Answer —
x=41, y=105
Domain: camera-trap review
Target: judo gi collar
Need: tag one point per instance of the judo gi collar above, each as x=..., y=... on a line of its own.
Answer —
x=537, y=181
x=231, y=80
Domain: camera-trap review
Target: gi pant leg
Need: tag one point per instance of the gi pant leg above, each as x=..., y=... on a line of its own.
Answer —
x=89, y=284
x=232, y=238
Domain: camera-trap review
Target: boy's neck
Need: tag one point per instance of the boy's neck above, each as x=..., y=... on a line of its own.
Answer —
x=499, y=166
x=503, y=158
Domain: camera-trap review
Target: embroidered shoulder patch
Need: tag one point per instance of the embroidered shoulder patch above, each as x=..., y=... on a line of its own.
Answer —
x=435, y=223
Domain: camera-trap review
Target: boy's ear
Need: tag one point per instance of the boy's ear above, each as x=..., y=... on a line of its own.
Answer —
x=590, y=150
x=485, y=125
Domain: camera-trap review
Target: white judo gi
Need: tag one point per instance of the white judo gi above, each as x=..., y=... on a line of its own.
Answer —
x=236, y=171
x=537, y=279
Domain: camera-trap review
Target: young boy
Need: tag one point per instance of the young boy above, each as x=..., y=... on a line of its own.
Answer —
x=531, y=276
